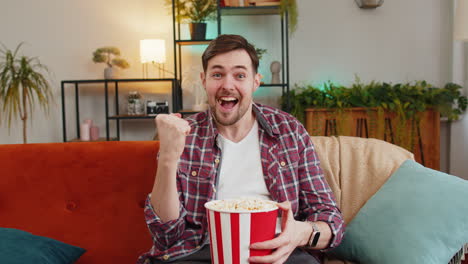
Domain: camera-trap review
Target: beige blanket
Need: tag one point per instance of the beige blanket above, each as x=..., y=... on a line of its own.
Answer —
x=356, y=168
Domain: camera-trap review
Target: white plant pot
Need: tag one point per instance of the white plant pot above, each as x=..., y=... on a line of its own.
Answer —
x=110, y=73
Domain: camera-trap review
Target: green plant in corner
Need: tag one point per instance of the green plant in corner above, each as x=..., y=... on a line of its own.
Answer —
x=22, y=83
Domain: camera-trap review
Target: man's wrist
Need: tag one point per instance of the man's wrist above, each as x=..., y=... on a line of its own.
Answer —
x=314, y=236
x=166, y=159
x=306, y=232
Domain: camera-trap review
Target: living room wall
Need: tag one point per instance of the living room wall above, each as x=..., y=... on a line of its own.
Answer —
x=335, y=40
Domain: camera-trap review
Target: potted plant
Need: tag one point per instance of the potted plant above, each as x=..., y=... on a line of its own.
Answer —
x=110, y=56
x=290, y=6
x=406, y=114
x=196, y=13
x=260, y=52
x=22, y=83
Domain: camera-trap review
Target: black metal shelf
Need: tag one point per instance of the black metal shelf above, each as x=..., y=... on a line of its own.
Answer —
x=118, y=80
x=250, y=10
x=116, y=117
x=176, y=102
x=274, y=85
x=100, y=139
x=283, y=57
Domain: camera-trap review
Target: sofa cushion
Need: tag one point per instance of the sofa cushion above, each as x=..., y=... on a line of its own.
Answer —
x=418, y=216
x=18, y=247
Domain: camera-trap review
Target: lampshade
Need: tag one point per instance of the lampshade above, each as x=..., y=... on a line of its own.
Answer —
x=461, y=20
x=152, y=50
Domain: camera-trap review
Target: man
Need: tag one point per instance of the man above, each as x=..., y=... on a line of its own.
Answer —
x=237, y=148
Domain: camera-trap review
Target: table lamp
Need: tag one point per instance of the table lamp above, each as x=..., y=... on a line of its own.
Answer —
x=153, y=51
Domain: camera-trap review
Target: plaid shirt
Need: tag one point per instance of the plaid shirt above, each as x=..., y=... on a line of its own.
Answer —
x=291, y=171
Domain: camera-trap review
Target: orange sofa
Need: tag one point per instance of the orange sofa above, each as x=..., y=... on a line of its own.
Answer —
x=90, y=195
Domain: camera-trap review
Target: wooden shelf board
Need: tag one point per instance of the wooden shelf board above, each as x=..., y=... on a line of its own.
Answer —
x=188, y=111
x=193, y=42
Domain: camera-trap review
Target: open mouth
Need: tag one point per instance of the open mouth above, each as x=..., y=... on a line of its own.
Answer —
x=228, y=102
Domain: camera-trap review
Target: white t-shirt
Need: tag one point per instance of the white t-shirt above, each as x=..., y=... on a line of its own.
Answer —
x=241, y=172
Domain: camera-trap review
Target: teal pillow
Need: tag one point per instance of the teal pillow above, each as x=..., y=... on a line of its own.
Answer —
x=418, y=216
x=19, y=247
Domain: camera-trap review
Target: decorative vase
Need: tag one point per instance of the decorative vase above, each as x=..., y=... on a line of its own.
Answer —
x=135, y=107
x=110, y=73
x=197, y=31
x=139, y=107
x=275, y=68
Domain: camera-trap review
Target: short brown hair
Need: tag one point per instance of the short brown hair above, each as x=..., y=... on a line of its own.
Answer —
x=226, y=43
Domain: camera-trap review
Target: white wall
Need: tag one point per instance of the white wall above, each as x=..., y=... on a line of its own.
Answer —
x=459, y=129
x=400, y=41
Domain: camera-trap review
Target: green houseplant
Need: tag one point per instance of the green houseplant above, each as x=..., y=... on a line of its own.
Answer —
x=109, y=56
x=406, y=114
x=196, y=13
x=291, y=7
x=406, y=98
x=22, y=83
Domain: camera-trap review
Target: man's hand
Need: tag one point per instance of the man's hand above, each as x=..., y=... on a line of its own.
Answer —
x=172, y=131
x=283, y=245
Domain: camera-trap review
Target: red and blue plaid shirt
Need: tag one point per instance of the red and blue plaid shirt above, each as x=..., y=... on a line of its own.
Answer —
x=291, y=171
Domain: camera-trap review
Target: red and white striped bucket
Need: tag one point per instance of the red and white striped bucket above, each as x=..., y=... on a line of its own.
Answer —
x=232, y=233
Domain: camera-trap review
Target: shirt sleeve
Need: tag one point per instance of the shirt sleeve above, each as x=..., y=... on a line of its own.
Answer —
x=164, y=234
x=317, y=201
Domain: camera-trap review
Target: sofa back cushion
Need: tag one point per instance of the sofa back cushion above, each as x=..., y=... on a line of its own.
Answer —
x=90, y=195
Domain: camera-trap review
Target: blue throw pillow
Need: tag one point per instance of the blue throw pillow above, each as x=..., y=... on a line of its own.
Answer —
x=418, y=216
x=19, y=247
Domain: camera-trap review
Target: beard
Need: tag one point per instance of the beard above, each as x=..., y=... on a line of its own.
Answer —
x=231, y=118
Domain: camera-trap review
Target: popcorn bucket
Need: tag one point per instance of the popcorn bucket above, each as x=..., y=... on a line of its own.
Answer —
x=233, y=231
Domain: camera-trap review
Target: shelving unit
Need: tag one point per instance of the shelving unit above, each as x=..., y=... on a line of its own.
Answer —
x=117, y=117
x=177, y=80
x=237, y=11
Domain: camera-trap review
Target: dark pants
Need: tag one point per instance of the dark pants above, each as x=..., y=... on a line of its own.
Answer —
x=203, y=257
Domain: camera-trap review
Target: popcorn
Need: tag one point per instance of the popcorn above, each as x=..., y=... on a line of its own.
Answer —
x=242, y=205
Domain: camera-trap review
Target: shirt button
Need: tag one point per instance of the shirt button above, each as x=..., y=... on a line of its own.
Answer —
x=283, y=164
x=194, y=173
x=166, y=257
x=216, y=161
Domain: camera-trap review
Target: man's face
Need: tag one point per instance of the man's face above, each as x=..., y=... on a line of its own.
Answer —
x=229, y=82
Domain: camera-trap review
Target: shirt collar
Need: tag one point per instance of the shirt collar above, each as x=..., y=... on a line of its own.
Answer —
x=264, y=122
